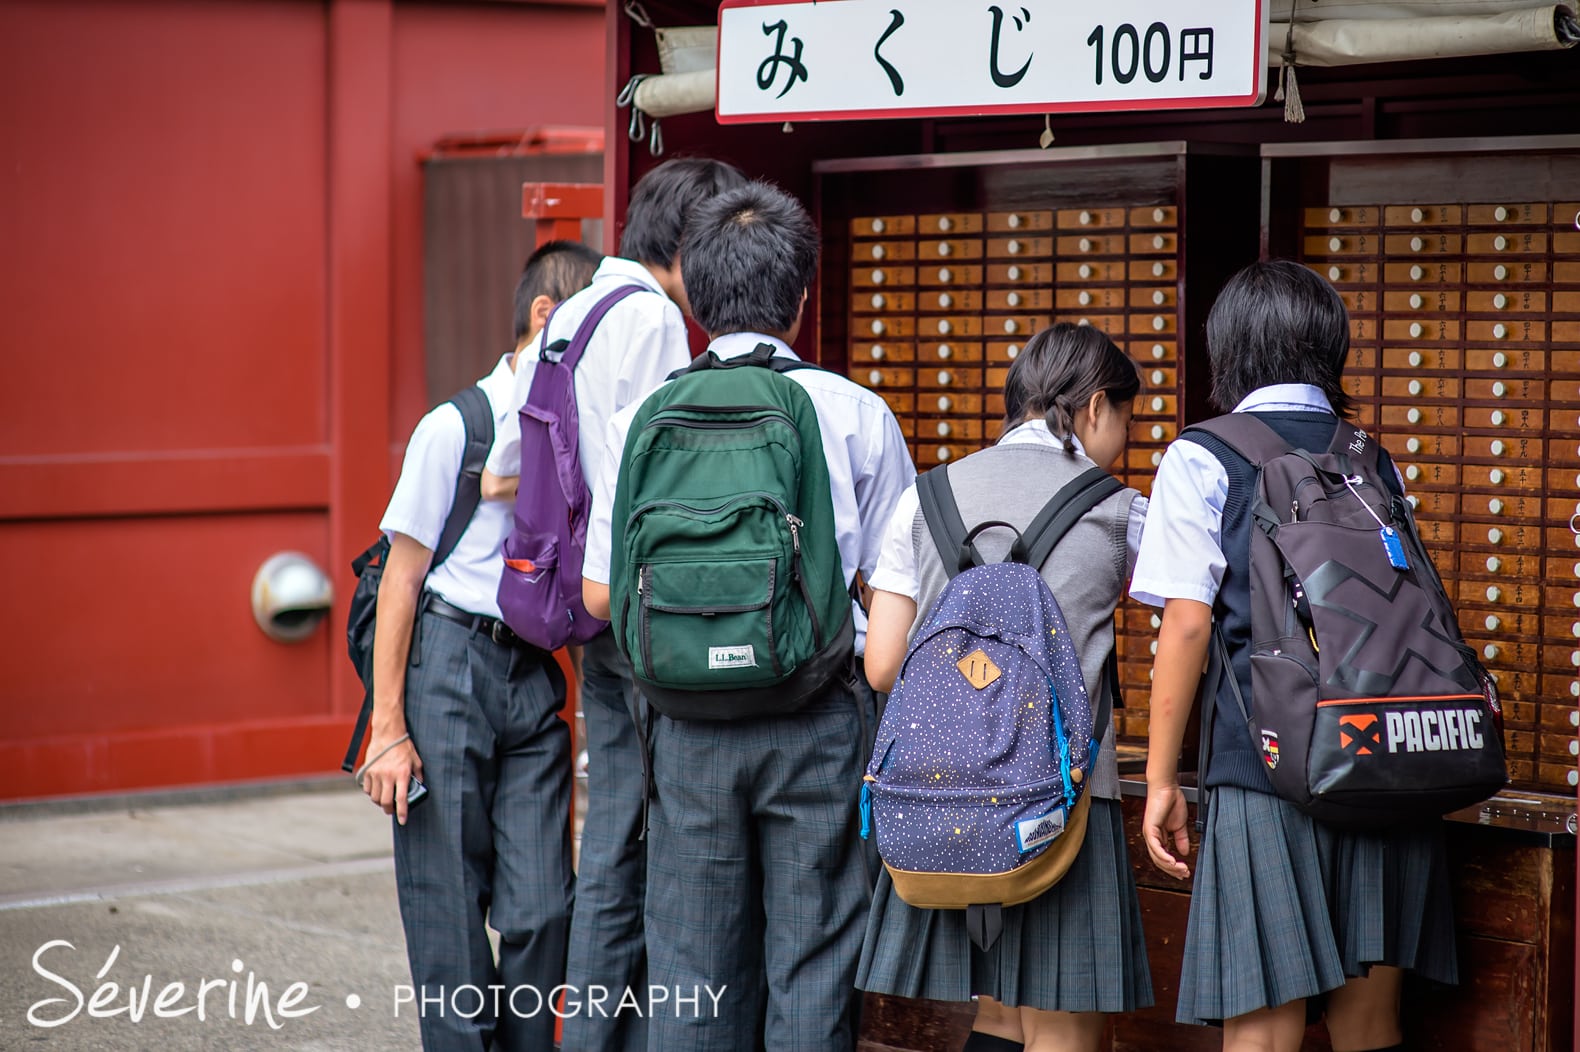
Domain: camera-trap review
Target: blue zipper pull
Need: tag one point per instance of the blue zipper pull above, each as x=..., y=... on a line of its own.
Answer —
x=866, y=810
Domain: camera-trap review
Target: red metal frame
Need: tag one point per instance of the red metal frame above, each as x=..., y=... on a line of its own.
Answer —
x=559, y=208
x=1210, y=103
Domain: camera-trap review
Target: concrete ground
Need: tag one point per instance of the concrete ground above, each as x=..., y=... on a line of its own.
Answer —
x=268, y=888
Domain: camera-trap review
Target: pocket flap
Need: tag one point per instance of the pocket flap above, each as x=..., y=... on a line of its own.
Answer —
x=709, y=587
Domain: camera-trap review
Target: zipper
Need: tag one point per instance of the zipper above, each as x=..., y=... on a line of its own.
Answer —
x=773, y=651
x=800, y=578
x=642, y=581
x=765, y=415
x=695, y=509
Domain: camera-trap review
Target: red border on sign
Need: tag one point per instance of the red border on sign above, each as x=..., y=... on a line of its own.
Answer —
x=1214, y=102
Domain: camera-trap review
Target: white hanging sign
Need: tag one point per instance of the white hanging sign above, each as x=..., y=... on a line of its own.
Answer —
x=860, y=59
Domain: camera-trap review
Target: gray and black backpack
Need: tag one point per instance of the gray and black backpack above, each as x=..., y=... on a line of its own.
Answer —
x=1366, y=703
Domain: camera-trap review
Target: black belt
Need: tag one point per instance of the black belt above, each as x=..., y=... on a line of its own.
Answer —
x=492, y=627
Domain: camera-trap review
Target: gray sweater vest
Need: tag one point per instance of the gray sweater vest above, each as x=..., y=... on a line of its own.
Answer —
x=1086, y=572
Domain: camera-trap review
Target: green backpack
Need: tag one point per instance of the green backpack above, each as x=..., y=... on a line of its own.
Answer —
x=726, y=583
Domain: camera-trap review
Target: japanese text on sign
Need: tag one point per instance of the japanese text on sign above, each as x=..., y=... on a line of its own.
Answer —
x=849, y=59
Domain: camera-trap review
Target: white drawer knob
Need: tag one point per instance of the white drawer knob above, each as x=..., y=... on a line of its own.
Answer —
x=945, y=300
x=1158, y=404
x=945, y=274
x=1086, y=219
x=1083, y=321
x=1014, y=222
x=1014, y=248
x=1494, y=593
x=1011, y=351
x=1574, y=692
x=945, y=223
x=1499, y=417
x=1158, y=432
x=1416, y=328
x=1416, y=301
x=1412, y=472
x=1013, y=299
x=1573, y=779
x=1499, y=389
x=1159, y=269
x=1084, y=298
x=944, y=453
x=1158, y=377
x=878, y=302
x=877, y=226
x=1158, y=215
x=1494, y=536
x=1495, y=476
x=1417, y=272
x=1158, y=241
x=1414, y=501
x=1159, y=323
x=1415, y=387
x=1335, y=244
x=878, y=327
x=1499, y=331
x=1013, y=273
x=1413, y=445
x=1417, y=244
x=945, y=248
x=877, y=352
x=944, y=428
x=1416, y=358
x=1492, y=623
x=945, y=327
x=1494, y=506
x=945, y=351
x=1416, y=215
x=1334, y=273
x=875, y=378
x=1494, y=564
x=1500, y=242
x=1500, y=301
x=1085, y=270
x=1335, y=215
x=1500, y=271
x=1414, y=416
x=1159, y=298
x=1159, y=351
x=1011, y=325
x=1156, y=621
x=944, y=403
x=879, y=277
x=1500, y=213
x=1497, y=447
x=944, y=377
x=878, y=252
x=1157, y=457
x=1085, y=244
x=1489, y=652
x=1499, y=360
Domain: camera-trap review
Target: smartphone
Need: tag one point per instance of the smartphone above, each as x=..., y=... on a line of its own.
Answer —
x=416, y=792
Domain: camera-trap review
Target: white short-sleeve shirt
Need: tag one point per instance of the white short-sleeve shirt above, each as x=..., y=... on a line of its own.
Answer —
x=897, y=571
x=639, y=342
x=469, y=578
x=869, y=465
x=1182, y=547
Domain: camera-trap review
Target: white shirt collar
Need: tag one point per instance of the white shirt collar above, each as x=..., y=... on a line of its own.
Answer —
x=1287, y=397
x=499, y=383
x=627, y=270
x=735, y=344
x=1036, y=432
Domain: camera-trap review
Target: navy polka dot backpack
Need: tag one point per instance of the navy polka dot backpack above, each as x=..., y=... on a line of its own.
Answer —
x=975, y=790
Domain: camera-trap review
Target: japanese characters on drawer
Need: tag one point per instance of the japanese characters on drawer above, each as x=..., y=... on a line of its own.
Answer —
x=1465, y=319
x=942, y=302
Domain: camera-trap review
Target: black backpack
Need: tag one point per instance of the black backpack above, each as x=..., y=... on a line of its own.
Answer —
x=1367, y=704
x=478, y=417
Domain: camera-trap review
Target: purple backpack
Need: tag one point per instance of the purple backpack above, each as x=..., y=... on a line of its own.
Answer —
x=540, y=591
x=976, y=788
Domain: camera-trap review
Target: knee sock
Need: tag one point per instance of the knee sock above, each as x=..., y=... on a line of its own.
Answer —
x=980, y=1042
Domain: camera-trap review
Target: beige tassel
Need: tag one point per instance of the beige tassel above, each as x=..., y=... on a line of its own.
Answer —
x=1294, y=109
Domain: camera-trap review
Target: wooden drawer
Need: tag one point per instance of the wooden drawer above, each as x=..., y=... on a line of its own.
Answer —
x=1093, y=244
x=1152, y=324
x=882, y=352
x=1511, y=330
x=1566, y=332
x=1487, y=215
x=949, y=325
x=1154, y=215
x=1562, y=450
x=1513, y=242
x=1488, y=508
x=1514, y=683
x=949, y=300
x=1420, y=387
x=1517, y=361
x=949, y=428
x=1153, y=244
x=1359, y=272
x=1513, y=301
x=1158, y=379
x=884, y=327
x=947, y=249
x=1494, y=622
x=1153, y=299
x=883, y=251
x=931, y=454
x=1362, y=358
x=1423, y=301
x=965, y=403
x=995, y=377
x=1428, y=473
x=1157, y=405
x=993, y=407
x=1097, y=298
x=1399, y=417
x=886, y=302
x=1563, y=481
x=1434, y=504
x=1014, y=222
x=1090, y=218
x=932, y=276
x=1521, y=418
x=882, y=226
x=1395, y=359
x=1515, y=388
x=943, y=353
x=1112, y=324
x=863, y=277
x=1344, y=243
x=1495, y=596
x=1511, y=272
x=1423, y=244
x=1346, y=216
x=1020, y=275
x=1435, y=532
x=1020, y=299
x=1524, y=478
x=1566, y=243
x=1437, y=329
x=1019, y=326
x=1003, y=350
x=878, y=377
x=1437, y=272
x=902, y=404
x=1153, y=431
x=1566, y=273
x=948, y=377
x=1557, y=748
x=1565, y=302
x=1363, y=327
x=1429, y=446
x=1503, y=652
x=1143, y=460
x=949, y=223
x=1153, y=270
x=1526, y=565
x=1019, y=246
x=1423, y=215
x=1096, y=272
x=1358, y=301
x=1145, y=351
x=1359, y=385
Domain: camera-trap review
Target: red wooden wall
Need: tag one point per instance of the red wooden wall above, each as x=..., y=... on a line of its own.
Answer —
x=210, y=324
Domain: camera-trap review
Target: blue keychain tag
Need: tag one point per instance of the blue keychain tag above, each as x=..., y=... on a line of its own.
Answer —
x=1394, y=547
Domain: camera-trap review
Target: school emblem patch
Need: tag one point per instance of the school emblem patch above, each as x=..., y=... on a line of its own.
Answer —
x=1270, y=749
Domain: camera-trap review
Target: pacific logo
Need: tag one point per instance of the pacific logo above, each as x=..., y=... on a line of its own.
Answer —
x=1427, y=730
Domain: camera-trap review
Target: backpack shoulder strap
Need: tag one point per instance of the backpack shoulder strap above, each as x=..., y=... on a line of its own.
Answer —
x=1251, y=438
x=762, y=355
x=942, y=516
x=577, y=345
x=478, y=417
x=1063, y=510
x=1354, y=446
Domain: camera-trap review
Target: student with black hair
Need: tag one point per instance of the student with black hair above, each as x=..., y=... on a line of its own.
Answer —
x=1075, y=952
x=638, y=343
x=1284, y=908
x=756, y=875
x=472, y=713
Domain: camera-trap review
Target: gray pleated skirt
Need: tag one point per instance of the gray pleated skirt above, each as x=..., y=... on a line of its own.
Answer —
x=1076, y=948
x=1285, y=907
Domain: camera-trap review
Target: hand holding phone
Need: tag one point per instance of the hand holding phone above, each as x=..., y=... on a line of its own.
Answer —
x=416, y=792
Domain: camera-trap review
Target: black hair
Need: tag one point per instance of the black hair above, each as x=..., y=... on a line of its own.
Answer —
x=1058, y=371
x=557, y=270
x=663, y=201
x=1278, y=323
x=749, y=257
